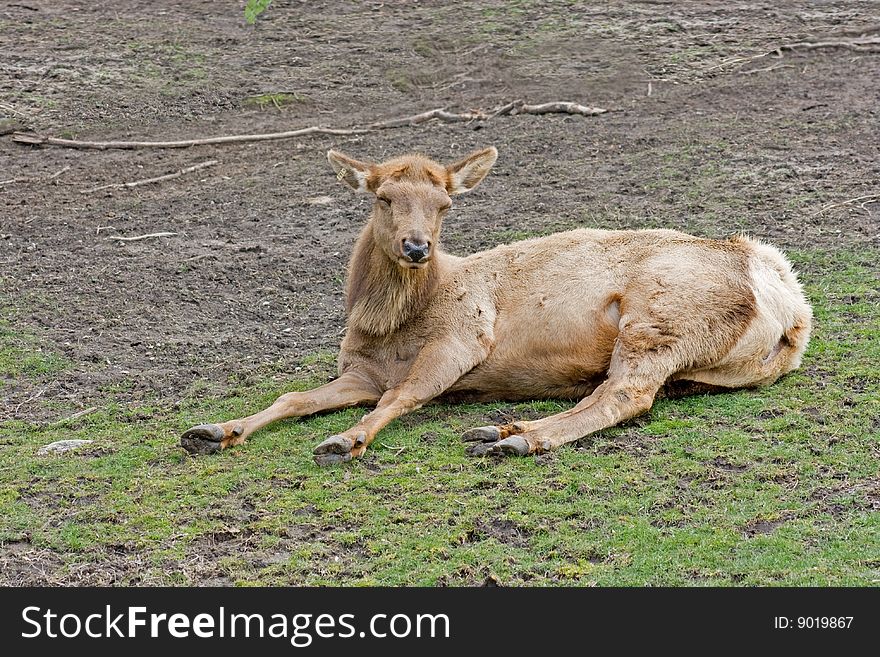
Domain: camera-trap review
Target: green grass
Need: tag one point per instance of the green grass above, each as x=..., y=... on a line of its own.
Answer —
x=22, y=355
x=277, y=100
x=777, y=486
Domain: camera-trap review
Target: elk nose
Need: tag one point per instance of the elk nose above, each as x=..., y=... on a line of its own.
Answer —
x=416, y=250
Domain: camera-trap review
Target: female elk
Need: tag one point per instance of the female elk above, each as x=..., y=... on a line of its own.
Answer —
x=607, y=317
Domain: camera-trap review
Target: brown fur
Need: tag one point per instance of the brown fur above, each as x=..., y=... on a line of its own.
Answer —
x=607, y=317
x=380, y=296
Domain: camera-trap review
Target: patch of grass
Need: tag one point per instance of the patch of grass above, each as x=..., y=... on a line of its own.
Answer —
x=319, y=358
x=777, y=486
x=277, y=100
x=163, y=66
x=22, y=355
x=414, y=78
x=254, y=8
x=400, y=80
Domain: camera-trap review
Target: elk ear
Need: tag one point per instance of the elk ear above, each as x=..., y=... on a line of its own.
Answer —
x=467, y=174
x=353, y=172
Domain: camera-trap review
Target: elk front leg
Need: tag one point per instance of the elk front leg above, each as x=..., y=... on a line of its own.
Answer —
x=354, y=442
x=350, y=389
x=611, y=403
x=434, y=370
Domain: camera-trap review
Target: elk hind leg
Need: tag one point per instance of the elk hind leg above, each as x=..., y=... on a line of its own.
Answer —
x=634, y=378
x=611, y=403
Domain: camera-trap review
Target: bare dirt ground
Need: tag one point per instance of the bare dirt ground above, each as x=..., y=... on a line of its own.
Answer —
x=253, y=279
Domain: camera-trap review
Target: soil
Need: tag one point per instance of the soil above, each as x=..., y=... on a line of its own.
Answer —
x=699, y=137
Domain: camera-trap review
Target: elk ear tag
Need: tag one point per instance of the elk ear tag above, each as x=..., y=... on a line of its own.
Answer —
x=350, y=170
x=466, y=174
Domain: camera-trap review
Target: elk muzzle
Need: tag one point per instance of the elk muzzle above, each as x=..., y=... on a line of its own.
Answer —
x=416, y=250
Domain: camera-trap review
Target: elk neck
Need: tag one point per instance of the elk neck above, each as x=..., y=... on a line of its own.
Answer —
x=382, y=296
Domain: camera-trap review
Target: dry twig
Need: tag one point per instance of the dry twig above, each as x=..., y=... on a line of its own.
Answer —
x=865, y=200
x=87, y=411
x=148, y=181
x=864, y=44
x=149, y=236
x=10, y=108
x=35, y=397
x=440, y=113
x=398, y=450
x=58, y=173
x=35, y=178
x=861, y=44
x=767, y=69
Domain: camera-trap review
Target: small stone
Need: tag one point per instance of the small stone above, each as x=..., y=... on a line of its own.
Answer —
x=61, y=446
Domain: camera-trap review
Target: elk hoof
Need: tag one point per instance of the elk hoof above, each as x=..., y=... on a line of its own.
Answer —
x=203, y=439
x=482, y=434
x=479, y=449
x=513, y=446
x=331, y=459
x=334, y=445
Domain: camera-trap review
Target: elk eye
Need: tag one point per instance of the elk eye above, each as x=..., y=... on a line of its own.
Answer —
x=384, y=200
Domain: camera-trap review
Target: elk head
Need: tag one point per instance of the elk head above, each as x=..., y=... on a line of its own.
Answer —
x=411, y=196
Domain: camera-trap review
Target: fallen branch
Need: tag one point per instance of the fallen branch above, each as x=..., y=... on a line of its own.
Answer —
x=863, y=44
x=35, y=397
x=149, y=236
x=561, y=108
x=507, y=109
x=34, y=178
x=865, y=200
x=860, y=31
x=768, y=68
x=520, y=107
x=41, y=140
x=10, y=108
x=76, y=415
x=148, y=181
x=852, y=44
x=512, y=108
x=58, y=173
x=441, y=114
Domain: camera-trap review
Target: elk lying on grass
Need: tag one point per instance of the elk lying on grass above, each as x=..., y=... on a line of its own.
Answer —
x=607, y=317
